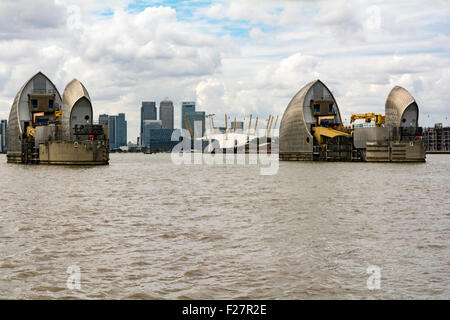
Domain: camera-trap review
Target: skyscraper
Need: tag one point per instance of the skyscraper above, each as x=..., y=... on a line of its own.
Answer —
x=117, y=131
x=148, y=112
x=149, y=125
x=166, y=113
x=103, y=119
x=194, y=119
x=186, y=107
x=3, y=131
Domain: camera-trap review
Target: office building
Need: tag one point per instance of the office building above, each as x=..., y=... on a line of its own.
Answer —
x=196, y=122
x=191, y=120
x=148, y=112
x=3, y=138
x=166, y=113
x=117, y=131
x=186, y=107
x=437, y=139
x=103, y=119
x=149, y=125
x=160, y=140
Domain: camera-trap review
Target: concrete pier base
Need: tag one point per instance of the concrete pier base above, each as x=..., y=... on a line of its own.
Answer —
x=85, y=152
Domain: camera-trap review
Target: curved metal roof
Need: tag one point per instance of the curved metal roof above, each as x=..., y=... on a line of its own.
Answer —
x=73, y=92
x=396, y=103
x=14, y=128
x=295, y=136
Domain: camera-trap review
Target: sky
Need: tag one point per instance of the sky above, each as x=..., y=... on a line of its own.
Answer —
x=233, y=57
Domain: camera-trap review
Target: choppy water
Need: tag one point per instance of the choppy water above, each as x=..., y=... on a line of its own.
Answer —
x=143, y=227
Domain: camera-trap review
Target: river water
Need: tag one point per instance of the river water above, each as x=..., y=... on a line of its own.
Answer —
x=145, y=228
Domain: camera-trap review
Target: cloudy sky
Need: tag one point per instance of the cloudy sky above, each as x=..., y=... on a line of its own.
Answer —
x=234, y=57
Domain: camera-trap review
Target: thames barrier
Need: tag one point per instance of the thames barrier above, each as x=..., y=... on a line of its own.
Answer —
x=312, y=129
x=47, y=129
x=44, y=128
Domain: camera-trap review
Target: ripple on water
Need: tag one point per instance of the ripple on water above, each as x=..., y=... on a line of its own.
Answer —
x=142, y=228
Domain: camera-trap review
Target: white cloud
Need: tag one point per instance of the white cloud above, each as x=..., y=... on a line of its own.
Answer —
x=233, y=57
x=210, y=93
x=257, y=34
x=26, y=20
x=119, y=58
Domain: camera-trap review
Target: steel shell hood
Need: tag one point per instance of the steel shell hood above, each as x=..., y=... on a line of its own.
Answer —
x=14, y=127
x=74, y=92
x=397, y=103
x=295, y=133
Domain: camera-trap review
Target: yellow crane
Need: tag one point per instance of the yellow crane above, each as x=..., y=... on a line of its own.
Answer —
x=379, y=119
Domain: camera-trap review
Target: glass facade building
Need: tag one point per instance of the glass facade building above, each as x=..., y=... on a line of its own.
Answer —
x=193, y=119
x=117, y=131
x=148, y=126
x=103, y=119
x=161, y=140
x=186, y=107
x=3, y=132
x=148, y=112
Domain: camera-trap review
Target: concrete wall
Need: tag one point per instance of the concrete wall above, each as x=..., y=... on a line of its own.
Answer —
x=68, y=152
x=395, y=151
x=362, y=135
x=44, y=133
x=408, y=151
x=377, y=151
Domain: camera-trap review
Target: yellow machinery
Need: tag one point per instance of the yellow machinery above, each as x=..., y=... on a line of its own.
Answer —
x=321, y=132
x=30, y=132
x=369, y=117
x=58, y=115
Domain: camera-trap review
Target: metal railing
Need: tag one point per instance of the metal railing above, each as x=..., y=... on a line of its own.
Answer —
x=43, y=91
x=89, y=129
